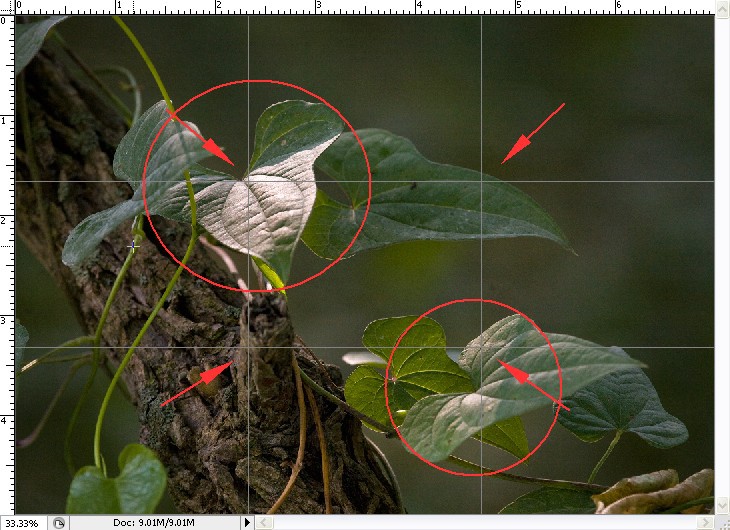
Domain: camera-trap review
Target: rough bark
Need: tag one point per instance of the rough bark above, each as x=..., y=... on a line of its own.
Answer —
x=227, y=452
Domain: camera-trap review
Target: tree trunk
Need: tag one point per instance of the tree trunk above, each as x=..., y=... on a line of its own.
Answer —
x=227, y=452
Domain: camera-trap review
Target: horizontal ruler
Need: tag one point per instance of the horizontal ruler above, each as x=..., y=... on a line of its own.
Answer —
x=361, y=7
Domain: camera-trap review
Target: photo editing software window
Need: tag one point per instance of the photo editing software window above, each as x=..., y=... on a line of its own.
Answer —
x=365, y=264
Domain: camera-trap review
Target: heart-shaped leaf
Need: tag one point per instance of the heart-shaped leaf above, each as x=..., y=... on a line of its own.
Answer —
x=438, y=424
x=29, y=39
x=413, y=199
x=137, y=489
x=551, y=500
x=420, y=368
x=624, y=401
x=262, y=215
x=265, y=214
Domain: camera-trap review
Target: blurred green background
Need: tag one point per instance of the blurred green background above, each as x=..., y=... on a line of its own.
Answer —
x=625, y=169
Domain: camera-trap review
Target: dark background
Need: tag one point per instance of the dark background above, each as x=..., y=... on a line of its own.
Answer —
x=625, y=169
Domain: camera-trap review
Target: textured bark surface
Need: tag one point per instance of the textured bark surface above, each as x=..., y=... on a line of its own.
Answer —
x=226, y=452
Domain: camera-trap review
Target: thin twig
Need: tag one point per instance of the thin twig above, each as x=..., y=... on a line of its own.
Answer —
x=389, y=431
x=322, y=450
x=297, y=467
x=228, y=262
x=28, y=440
x=561, y=484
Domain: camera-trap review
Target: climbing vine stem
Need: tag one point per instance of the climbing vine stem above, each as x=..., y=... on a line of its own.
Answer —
x=173, y=281
x=133, y=347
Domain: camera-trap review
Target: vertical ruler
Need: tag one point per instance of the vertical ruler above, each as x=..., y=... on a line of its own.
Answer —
x=7, y=264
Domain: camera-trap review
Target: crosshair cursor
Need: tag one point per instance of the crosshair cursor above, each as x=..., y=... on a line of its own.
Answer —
x=524, y=377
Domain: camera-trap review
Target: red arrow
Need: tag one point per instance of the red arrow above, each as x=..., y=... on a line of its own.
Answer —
x=516, y=372
x=209, y=144
x=523, y=377
x=205, y=377
x=523, y=141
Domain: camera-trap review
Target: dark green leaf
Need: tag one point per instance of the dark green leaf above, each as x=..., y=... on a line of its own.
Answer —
x=29, y=39
x=551, y=500
x=623, y=401
x=438, y=424
x=137, y=489
x=414, y=199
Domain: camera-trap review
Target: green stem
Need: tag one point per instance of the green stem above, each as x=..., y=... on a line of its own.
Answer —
x=138, y=238
x=133, y=347
x=78, y=341
x=690, y=504
x=337, y=401
x=561, y=484
x=146, y=58
x=173, y=281
x=605, y=456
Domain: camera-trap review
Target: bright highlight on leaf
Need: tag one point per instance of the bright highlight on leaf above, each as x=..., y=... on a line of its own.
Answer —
x=414, y=199
x=263, y=215
x=137, y=489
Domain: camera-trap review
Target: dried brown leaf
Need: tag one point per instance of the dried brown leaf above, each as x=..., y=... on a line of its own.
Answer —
x=653, y=491
x=658, y=480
